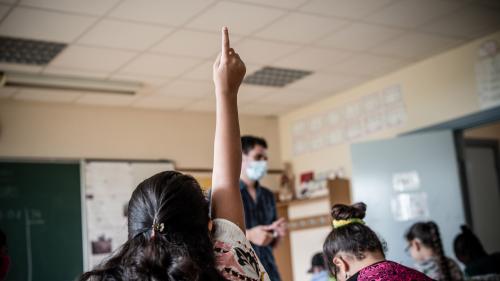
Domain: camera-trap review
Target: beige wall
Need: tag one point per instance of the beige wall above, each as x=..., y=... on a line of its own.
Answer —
x=438, y=89
x=43, y=130
x=435, y=90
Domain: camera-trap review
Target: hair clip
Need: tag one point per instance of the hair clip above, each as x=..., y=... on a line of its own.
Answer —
x=158, y=227
x=340, y=223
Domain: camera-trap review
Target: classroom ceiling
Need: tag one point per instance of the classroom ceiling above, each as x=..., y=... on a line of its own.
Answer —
x=169, y=46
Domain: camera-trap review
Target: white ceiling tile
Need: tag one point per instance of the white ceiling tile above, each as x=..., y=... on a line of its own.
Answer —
x=124, y=35
x=6, y=93
x=262, y=109
x=469, y=22
x=204, y=71
x=187, y=89
x=240, y=18
x=90, y=7
x=106, y=99
x=207, y=105
x=413, y=13
x=90, y=58
x=173, y=13
x=261, y=51
x=313, y=58
x=3, y=10
x=148, y=81
x=367, y=65
x=249, y=92
x=251, y=68
x=46, y=95
x=44, y=25
x=162, y=102
x=359, y=36
x=286, y=4
x=353, y=9
x=157, y=65
x=201, y=72
x=192, y=43
x=20, y=67
x=61, y=71
x=300, y=28
x=289, y=97
x=321, y=83
x=415, y=45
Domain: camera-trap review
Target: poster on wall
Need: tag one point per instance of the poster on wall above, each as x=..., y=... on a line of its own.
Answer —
x=108, y=187
x=488, y=74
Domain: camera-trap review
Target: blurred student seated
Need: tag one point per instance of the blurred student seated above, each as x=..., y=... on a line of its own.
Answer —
x=479, y=265
x=318, y=268
x=426, y=249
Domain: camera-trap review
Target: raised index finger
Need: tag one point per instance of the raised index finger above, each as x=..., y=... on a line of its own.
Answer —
x=225, y=41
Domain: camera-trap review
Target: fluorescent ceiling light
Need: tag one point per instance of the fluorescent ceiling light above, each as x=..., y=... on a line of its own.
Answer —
x=55, y=82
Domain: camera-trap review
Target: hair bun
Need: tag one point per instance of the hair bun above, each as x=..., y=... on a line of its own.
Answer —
x=344, y=212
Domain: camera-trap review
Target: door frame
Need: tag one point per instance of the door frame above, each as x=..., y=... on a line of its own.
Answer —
x=491, y=144
x=458, y=125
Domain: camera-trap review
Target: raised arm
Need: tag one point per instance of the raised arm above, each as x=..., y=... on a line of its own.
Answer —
x=228, y=73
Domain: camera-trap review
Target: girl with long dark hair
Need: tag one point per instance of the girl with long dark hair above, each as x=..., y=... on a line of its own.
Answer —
x=353, y=251
x=171, y=235
x=426, y=249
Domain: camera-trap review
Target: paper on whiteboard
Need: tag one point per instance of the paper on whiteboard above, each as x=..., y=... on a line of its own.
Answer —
x=409, y=206
x=108, y=187
x=408, y=181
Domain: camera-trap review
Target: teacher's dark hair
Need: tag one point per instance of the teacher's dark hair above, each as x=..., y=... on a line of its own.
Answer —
x=249, y=142
x=182, y=250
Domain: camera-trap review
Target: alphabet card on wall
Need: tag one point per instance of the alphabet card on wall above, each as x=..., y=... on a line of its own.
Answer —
x=367, y=115
x=488, y=74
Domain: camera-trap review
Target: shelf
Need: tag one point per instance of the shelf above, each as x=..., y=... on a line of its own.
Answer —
x=302, y=201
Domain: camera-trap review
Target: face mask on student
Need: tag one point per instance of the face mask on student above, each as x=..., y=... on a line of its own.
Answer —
x=256, y=170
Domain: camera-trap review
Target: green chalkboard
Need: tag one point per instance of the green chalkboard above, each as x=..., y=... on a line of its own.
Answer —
x=40, y=211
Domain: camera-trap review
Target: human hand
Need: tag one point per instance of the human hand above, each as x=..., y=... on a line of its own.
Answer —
x=228, y=68
x=259, y=235
x=279, y=227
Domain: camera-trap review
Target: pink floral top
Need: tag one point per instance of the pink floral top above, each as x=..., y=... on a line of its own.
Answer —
x=235, y=258
x=389, y=271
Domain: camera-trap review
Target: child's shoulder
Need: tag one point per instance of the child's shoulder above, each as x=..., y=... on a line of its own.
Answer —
x=235, y=258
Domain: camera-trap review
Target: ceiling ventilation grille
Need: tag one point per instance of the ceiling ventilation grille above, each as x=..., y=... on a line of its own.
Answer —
x=275, y=77
x=28, y=51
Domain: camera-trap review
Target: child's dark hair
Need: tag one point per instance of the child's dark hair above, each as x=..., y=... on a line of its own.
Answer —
x=467, y=246
x=354, y=238
x=182, y=250
x=428, y=234
x=249, y=142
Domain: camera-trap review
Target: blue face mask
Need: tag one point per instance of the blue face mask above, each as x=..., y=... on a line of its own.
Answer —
x=256, y=170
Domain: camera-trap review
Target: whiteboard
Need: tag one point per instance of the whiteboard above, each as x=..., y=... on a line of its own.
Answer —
x=108, y=186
